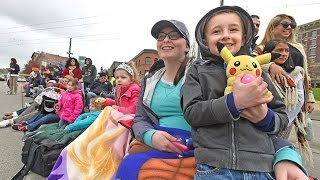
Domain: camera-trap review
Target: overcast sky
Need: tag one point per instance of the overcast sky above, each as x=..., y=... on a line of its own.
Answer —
x=110, y=31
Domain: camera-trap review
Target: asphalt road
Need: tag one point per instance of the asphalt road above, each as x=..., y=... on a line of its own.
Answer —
x=11, y=144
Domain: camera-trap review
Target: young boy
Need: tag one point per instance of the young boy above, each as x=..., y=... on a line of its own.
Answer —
x=230, y=133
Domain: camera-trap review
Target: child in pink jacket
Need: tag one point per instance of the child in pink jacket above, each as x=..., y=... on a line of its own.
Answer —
x=127, y=90
x=70, y=105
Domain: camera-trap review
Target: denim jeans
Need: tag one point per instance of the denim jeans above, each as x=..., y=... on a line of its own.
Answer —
x=36, y=122
x=63, y=123
x=204, y=172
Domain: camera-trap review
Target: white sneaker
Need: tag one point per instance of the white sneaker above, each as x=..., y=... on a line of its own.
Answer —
x=14, y=114
x=27, y=105
x=5, y=123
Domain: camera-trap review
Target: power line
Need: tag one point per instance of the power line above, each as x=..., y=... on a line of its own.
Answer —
x=83, y=36
x=50, y=22
x=59, y=42
x=50, y=28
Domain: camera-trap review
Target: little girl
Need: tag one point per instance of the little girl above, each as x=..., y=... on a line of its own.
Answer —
x=291, y=90
x=127, y=89
x=70, y=105
x=86, y=119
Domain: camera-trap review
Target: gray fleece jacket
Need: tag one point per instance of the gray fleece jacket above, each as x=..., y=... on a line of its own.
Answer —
x=221, y=140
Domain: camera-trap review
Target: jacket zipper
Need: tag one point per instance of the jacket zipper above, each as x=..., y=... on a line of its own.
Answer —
x=233, y=146
x=151, y=112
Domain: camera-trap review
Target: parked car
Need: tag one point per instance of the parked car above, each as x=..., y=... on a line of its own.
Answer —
x=21, y=79
x=2, y=78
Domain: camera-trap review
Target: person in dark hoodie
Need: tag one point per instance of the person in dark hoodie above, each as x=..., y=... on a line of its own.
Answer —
x=97, y=87
x=13, y=78
x=89, y=72
x=232, y=133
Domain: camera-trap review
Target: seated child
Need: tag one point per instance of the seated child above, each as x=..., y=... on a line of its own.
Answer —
x=70, y=105
x=86, y=119
x=127, y=90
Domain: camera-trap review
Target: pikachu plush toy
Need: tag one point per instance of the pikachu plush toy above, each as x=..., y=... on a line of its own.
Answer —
x=243, y=64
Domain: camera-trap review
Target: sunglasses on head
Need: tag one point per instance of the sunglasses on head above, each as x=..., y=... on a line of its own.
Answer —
x=174, y=35
x=286, y=25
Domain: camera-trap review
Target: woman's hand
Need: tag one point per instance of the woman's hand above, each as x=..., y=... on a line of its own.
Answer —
x=115, y=107
x=255, y=114
x=250, y=94
x=278, y=73
x=286, y=170
x=71, y=73
x=163, y=141
x=308, y=107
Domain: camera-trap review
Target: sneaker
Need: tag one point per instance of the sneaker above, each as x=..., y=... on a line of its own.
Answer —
x=27, y=105
x=5, y=123
x=19, y=127
x=8, y=114
x=23, y=123
x=22, y=128
x=7, y=117
x=9, y=92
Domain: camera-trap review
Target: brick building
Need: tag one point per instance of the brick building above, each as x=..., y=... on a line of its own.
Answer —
x=47, y=59
x=145, y=59
x=309, y=36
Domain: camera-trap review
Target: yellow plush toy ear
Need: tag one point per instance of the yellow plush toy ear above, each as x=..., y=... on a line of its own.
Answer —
x=224, y=52
x=266, y=58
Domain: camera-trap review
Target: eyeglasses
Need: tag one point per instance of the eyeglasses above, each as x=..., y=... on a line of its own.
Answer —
x=286, y=25
x=174, y=35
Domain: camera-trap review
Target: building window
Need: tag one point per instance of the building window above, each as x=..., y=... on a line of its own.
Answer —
x=306, y=35
x=313, y=42
x=314, y=33
x=148, y=60
x=313, y=51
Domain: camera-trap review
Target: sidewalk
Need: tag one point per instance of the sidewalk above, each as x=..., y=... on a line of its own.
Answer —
x=315, y=144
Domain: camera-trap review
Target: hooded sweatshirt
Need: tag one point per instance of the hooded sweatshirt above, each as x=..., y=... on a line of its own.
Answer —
x=89, y=72
x=220, y=139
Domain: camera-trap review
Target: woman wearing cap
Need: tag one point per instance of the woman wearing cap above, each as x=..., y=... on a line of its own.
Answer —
x=159, y=121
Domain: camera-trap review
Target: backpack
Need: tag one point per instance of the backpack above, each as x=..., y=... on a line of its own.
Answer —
x=39, y=157
x=47, y=105
x=42, y=148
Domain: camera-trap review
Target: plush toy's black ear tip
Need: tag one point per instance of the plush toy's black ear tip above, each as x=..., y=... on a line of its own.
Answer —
x=220, y=46
x=275, y=56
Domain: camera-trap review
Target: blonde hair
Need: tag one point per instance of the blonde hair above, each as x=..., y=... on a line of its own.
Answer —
x=275, y=21
x=74, y=83
x=136, y=75
x=98, y=102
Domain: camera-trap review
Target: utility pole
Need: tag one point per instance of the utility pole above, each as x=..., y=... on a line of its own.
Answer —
x=221, y=2
x=70, y=53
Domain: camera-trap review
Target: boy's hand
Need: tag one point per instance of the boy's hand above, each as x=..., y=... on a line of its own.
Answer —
x=162, y=141
x=250, y=94
x=255, y=114
x=288, y=170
